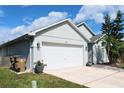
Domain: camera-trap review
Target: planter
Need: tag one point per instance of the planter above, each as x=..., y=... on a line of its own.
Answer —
x=39, y=69
x=89, y=64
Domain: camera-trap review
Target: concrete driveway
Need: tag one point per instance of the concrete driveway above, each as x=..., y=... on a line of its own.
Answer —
x=91, y=76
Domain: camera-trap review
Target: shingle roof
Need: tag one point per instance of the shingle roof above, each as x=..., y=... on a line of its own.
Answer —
x=96, y=37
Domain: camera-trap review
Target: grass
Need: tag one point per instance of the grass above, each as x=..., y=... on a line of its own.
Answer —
x=9, y=79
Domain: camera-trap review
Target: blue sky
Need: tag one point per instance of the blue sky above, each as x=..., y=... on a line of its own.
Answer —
x=14, y=15
x=18, y=20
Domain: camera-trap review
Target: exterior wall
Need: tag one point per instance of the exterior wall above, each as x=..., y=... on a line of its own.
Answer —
x=90, y=52
x=85, y=32
x=99, y=53
x=63, y=34
x=3, y=51
x=4, y=61
x=21, y=48
x=0, y=60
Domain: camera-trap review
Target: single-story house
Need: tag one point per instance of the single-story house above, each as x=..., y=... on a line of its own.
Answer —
x=60, y=45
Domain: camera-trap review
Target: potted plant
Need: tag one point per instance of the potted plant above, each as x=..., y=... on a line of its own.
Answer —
x=39, y=67
x=89, y=63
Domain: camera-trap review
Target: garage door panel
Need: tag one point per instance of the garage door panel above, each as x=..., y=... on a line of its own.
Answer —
x=60, y=57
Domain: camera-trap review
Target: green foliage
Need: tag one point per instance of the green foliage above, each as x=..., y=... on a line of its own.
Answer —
x=118, y=26
x=39, y=63
x=113, y=30
x=107, y=25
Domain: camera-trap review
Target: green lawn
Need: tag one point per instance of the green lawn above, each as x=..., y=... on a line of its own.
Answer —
x=9, y=79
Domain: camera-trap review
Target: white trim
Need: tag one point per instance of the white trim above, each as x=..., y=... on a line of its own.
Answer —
x=83, y=55
x=31, y=34
x=60, y=37
x=61, y=44
x=60, y=22
x=31, y=56
x=39, y=30
x=100, y=38
x=75, y=27
x=88, y=28
x=46, y=27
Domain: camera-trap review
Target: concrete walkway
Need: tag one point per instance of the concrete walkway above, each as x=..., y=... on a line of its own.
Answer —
x=94, y=77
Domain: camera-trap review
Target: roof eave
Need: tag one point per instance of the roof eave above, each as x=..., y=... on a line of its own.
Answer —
x=75, y=27
x=17, y=39
x=85, y=24
x=99, y=38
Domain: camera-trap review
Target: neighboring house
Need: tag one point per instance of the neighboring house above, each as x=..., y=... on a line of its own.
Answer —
x=99, y=49
x=59, y=45
x=96, y=50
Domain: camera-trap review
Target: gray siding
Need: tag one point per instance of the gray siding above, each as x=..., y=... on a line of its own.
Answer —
x=21, y=48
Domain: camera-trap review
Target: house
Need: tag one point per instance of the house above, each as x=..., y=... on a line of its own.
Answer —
x=96, y=51
x=59, y=45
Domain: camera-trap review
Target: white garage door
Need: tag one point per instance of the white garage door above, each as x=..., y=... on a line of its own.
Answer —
x=62, y=56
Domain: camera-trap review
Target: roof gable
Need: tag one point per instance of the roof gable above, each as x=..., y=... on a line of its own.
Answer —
x=67, y=21
x=86, y=26
x=97, y=37
x=33, y=33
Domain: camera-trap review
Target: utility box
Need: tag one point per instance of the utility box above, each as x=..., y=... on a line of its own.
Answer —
x=20, y=64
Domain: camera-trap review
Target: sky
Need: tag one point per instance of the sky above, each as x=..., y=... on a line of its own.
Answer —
x=18, y=20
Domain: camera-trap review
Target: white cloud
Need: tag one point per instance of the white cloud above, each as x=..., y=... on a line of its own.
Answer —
x=5, y=34
x=40, y=22
x=18, y=29
x=11, y=33
x=96, y=13
x=27, y=20
x=51, y=18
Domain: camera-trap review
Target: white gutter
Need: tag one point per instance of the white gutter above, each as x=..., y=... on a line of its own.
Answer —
x=100, y=38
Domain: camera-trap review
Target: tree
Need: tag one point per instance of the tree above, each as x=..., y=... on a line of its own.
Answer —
x=113, y=30
x=118, y=26
x=107, y=27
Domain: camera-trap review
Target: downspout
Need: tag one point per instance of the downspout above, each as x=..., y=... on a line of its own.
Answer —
x=31, y=56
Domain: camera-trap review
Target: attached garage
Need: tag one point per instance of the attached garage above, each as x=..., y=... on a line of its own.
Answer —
x=62, y=55
x=59, y=45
